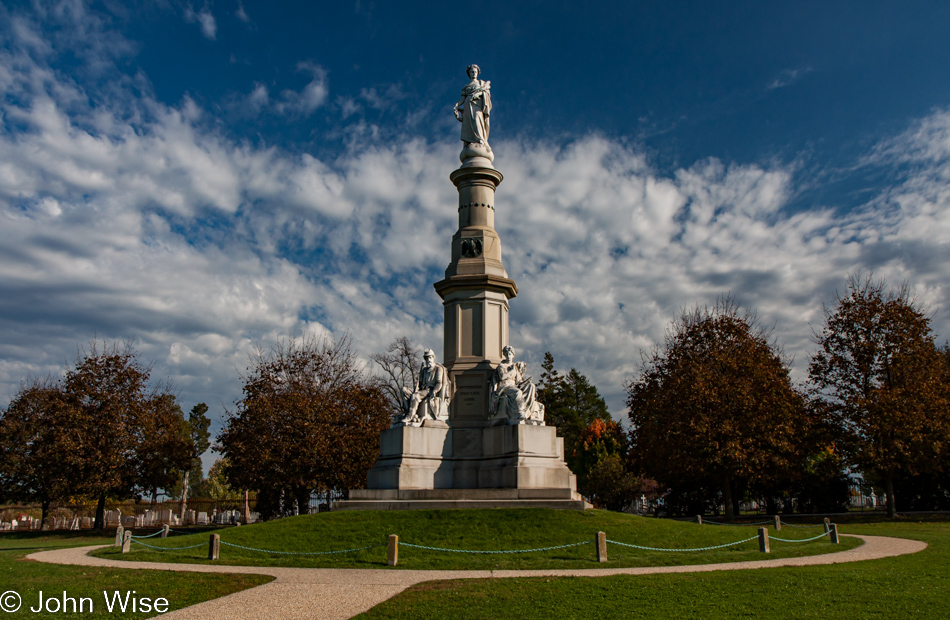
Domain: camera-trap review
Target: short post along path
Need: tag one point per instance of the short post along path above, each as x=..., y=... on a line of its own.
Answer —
x=340, y=593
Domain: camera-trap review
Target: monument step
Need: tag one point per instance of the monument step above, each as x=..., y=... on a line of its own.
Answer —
x=555, y=504
x=463, y=494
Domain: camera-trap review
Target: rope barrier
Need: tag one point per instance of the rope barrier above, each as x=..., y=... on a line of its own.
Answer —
x=739, y=524
x=791, y=540
x=405, y=544
x=148, y=536
x=138, y=542
x=298, y=552
x=738, y=542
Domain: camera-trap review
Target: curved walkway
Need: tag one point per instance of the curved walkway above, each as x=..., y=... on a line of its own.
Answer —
x=340, y=593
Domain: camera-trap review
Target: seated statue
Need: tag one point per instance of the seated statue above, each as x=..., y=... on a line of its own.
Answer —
x=513, y=397
x=430, y=399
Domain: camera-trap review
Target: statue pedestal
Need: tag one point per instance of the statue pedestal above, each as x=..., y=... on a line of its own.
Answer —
x=513, y=466
x=412, y=458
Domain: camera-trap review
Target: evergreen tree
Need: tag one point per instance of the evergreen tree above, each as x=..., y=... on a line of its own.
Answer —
x=550, y=382
x=200, y=437
x=573, y=405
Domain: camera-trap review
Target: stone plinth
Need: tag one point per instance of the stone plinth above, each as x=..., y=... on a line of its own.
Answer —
x=412, y=458
x=490, y=467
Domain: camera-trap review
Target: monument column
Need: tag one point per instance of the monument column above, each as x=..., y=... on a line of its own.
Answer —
x=475, y=294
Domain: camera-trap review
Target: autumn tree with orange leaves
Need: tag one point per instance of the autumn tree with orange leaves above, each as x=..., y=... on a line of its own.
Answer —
x=883, y=382
x=714, y=406
x=309, y=421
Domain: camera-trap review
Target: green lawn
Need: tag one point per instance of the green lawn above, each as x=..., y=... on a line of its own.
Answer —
x=27, y=578
x=509, y=529
x=912, y=586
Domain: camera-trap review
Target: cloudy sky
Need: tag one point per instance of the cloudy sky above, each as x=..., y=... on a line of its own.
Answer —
x=207, y=177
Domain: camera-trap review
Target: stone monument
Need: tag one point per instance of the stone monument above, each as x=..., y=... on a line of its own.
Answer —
x=473, y=432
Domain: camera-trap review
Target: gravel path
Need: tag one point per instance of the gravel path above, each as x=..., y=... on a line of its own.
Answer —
x=339, y=593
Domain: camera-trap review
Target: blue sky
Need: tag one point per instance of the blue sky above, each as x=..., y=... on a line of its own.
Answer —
x=207, y=177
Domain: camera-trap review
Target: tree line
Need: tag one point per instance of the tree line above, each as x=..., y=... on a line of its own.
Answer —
x=713, y=418
x=101, y=431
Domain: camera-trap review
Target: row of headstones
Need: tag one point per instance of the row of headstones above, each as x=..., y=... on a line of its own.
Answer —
x=230, y=517
x=22, y=522
x=114, y=518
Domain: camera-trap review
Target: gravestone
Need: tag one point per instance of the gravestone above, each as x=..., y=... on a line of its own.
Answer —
x=473, y=433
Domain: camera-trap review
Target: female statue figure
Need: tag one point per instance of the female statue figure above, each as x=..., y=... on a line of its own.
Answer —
x=513, y=396
x=473, y=110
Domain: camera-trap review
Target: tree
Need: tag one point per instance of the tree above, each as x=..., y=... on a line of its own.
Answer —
x=102, y=431
x=309, y=421
x=199, y=435
x=594, y=458
x=714, y=407
x=400, y=365
x=610, y=485
x=40, y=455
x=163, y=447
x=128, y=432
x=550, y=381
x=218, y=487
x=573, y=404
x=884, y=382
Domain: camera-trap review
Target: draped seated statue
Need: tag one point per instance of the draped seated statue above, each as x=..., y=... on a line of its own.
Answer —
x=513, y=397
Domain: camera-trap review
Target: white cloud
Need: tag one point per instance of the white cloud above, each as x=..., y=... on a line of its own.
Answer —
x=204, y=18
x=132, y=217
x=787, y=77
x=241, y=14
x=311, y=97
x=291, y=103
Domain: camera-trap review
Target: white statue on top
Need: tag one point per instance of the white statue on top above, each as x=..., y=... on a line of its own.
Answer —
x=513, y=397
x=473, y=110
x=430, y=398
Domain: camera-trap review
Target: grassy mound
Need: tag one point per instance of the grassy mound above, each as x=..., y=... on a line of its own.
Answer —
x=484, y=530
x=910, y=586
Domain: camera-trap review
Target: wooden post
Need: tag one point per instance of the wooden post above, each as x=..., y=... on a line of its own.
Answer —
x=119, y=534
x=126, y=541
x=165, y=531
x=214, y=546
x=601, y=547
x=778, y=523
x=393, y=555
x=834, y=533
x=699, y=519
x=764, y=540
x=827, y=524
